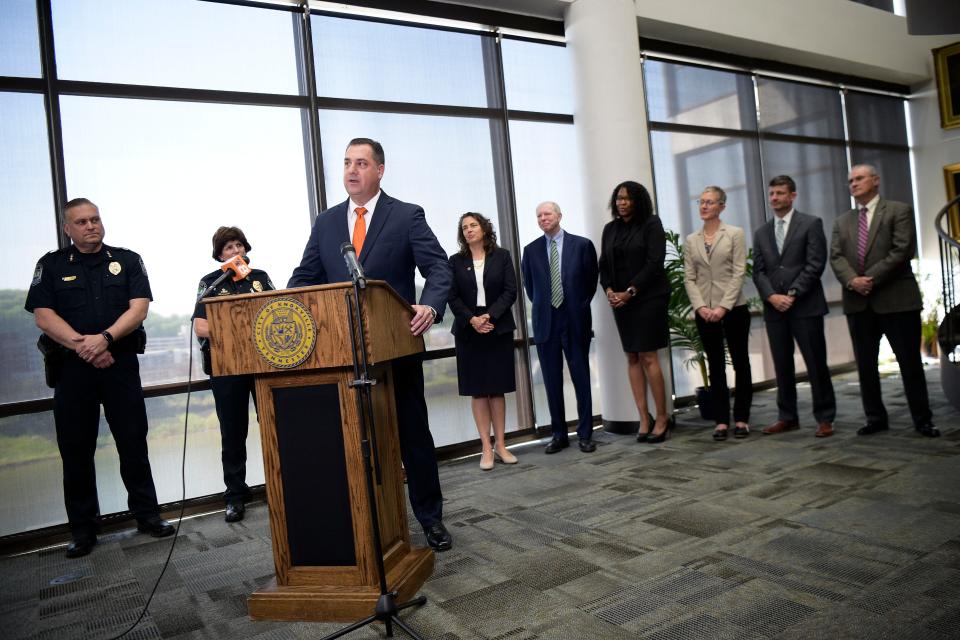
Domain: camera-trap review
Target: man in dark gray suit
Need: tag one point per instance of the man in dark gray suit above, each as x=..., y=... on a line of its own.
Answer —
x=870, y=253
x=790, y=254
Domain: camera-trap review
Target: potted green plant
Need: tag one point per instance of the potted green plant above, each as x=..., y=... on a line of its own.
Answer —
x=683, y=328
x=928, y=333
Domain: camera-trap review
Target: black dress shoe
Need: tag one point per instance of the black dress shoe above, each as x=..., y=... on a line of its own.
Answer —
x=556, y=445
x=872, y=427
x=156, y=527
x=438, y=537
x=80, y=547
x=927, y=429
x=234, y=512
x=588, y=446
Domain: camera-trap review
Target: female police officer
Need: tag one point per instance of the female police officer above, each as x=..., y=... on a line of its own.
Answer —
x=230, y=393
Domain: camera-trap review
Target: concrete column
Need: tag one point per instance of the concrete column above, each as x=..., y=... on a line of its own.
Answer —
x=611, y=127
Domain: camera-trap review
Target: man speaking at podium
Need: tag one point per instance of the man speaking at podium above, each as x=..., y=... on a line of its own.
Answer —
x=392, y=240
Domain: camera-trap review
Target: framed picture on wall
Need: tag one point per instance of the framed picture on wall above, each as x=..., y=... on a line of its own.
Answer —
x=951, y=173
x=946, y=60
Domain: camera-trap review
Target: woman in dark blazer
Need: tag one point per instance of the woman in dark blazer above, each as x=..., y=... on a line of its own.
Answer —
x=483, y=292
x=715, y=265
x=632, y=250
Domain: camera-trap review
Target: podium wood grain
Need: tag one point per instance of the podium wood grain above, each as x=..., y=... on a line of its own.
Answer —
x=339, y=591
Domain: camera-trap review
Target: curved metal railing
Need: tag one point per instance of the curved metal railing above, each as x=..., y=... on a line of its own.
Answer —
x=949, y=333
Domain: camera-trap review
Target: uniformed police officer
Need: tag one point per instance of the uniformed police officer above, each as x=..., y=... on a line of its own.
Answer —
x=231, y=394
x=92, y=299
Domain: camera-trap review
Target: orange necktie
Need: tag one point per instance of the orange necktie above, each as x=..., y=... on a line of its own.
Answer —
x=359, y=230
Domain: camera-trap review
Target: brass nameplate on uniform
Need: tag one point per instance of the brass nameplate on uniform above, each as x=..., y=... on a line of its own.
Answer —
x=69, y=278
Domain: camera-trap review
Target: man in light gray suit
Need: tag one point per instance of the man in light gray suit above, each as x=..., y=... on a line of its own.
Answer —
x=871, y=252
x=790, y=254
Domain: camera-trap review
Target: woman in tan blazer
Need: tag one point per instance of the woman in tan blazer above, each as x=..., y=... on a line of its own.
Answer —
x=715, y=263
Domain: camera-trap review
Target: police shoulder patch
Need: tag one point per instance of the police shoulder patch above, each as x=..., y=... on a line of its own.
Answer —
x=143, y=267
x=37, y=273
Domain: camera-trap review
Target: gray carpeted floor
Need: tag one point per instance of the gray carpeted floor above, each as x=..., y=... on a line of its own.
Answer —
x=782, y=536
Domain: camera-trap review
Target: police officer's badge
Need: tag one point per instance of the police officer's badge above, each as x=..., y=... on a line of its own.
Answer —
x=114, y=268
x=257, y=286
x=36, y=275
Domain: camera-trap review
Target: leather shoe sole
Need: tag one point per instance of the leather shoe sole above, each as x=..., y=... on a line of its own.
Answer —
x=555, y=446
x=871, y=428
x=588, y=446
x=438, y=537
x=80, y=547
x=158, y=528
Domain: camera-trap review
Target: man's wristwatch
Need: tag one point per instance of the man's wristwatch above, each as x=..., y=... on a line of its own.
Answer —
x=632, y=291
x=108, y=337
x=792, y=293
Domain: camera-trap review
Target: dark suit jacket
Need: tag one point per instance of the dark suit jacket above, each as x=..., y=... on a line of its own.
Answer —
x=578, y=275
x=499, y=286
x=800, y=267
x=891, y=245
x=636, y=261
x=397, y=242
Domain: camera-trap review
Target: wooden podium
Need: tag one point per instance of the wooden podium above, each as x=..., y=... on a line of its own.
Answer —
x=297, y=344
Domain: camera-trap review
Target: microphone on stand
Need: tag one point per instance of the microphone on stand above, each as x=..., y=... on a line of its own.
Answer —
x=237, y=266
x=353, y=265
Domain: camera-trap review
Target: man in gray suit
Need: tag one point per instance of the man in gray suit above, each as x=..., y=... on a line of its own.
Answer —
x=790, y=254
x=870, y=253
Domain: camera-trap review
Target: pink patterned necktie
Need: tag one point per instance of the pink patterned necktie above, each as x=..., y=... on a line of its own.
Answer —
x=863, y=231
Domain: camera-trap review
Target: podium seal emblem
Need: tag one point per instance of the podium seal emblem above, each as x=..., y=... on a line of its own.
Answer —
x=284, y=333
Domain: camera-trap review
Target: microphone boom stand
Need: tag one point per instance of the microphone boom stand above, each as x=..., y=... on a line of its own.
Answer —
x=387, y=608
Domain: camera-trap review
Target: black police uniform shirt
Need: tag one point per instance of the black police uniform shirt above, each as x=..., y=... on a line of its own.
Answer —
x=257, y=281
x=90, y=290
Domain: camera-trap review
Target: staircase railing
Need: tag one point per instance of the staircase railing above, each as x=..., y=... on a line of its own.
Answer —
x=949, y=334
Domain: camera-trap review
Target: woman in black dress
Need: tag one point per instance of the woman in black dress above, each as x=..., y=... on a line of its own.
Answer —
x=632, y=251
x=483, y=292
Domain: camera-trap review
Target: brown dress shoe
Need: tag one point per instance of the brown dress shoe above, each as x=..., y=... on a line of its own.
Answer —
x=780, y=426
x=824, y=430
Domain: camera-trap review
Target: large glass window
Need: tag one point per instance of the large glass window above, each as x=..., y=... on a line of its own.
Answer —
x=176, y=43
x=685, y=163
x=31, y=474
x=878, y=136
x=30, y=231
x=799, y=109
x=164, y=189
x=704, y=130
x=691, y=95
x=19, y=40
x=537, y=76
x=379, y=61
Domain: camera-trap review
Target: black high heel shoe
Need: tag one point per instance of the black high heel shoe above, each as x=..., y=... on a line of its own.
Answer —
x=642, y=436
x=657, y=438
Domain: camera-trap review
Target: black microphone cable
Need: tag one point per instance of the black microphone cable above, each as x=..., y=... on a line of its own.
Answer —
x=183, y=494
